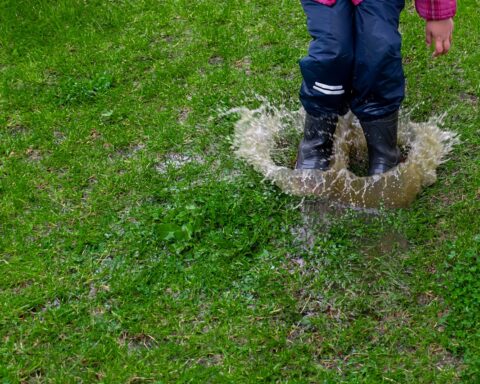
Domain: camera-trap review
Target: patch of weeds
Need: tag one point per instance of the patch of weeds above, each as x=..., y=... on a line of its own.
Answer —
x=75, y=91
x=463, y=299
x=136, y=341
x=359, y=167
x=286, y=144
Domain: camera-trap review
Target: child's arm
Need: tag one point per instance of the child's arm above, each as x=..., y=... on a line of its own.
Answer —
x=439, y=16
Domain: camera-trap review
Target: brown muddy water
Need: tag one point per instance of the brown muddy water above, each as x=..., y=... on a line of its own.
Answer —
x=267, y=138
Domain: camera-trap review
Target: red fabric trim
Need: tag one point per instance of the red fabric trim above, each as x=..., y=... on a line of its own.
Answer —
x=326, y=2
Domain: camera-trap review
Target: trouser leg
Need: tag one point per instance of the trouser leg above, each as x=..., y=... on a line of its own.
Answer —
x=327, y=68
x=378, y=80
x=326, y=72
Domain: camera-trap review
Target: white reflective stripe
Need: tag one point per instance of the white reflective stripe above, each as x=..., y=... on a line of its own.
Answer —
x=327, y=92
x=330, y=87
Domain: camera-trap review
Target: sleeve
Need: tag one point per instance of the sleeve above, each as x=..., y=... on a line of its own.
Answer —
x=436, y=9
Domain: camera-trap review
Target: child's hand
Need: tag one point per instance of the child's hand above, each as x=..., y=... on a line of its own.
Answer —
x=439, y=32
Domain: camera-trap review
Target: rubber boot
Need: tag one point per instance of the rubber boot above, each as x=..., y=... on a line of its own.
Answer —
x=381, y=136
x=315, y=149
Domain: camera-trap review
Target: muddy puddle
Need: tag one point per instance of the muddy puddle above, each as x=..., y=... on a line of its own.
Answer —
x=267, y=138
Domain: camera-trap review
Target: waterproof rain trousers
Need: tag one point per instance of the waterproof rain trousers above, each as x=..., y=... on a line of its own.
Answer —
x=354, y=60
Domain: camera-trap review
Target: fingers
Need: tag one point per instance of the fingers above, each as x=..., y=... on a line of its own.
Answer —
x=428, y=37
x=438, y=47
x=446, y=45
x=438, y=35
x=442, y=46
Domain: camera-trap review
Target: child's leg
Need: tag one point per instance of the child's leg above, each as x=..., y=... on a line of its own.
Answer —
x=326, y=83
x=378, y=81
x=328, y=67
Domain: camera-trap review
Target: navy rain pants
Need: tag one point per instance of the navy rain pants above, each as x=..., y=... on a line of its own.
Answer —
x=354, y=60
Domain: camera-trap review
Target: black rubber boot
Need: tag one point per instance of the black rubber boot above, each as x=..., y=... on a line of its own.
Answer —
x=316, y=147
x=381, y=136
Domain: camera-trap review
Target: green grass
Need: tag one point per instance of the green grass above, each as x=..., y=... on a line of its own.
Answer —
x=134, y=247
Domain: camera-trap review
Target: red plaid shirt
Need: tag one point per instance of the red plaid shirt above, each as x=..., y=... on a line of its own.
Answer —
x=428, y=9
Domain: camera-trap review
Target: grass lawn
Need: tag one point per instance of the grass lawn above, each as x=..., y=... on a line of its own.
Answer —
x=135, y=247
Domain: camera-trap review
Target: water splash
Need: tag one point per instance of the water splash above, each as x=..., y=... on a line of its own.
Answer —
x=267, y=138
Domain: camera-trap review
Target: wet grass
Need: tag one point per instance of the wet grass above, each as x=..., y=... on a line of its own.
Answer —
x=136, y=248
